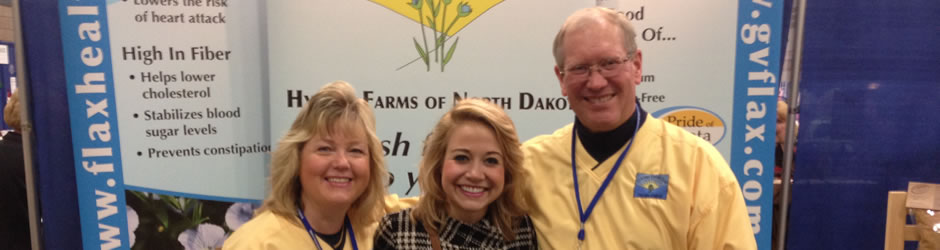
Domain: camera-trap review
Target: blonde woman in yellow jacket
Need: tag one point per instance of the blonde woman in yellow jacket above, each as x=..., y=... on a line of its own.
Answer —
x=328, y=175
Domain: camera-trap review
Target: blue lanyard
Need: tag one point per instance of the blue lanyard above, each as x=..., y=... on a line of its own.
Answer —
x=313, y=234
x=610, y=176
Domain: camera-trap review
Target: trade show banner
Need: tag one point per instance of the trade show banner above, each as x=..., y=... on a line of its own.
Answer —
x=175, y=105
x=710, y=67
x=167, y=112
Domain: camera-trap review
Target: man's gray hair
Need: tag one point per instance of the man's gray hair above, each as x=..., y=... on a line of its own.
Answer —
x=584, y=17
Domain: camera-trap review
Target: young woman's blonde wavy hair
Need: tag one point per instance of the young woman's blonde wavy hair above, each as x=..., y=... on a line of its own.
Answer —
x=510, y=205
x=333, y=109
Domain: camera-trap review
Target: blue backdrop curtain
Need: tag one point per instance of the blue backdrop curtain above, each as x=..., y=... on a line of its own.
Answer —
x=52, y=146
x=870, y=94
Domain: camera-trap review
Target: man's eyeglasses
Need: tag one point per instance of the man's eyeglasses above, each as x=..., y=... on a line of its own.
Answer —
x=607, y=68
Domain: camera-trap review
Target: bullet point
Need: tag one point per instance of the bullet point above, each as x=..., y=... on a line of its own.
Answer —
x=135, y=115
x=132, y=77
x=139, y=153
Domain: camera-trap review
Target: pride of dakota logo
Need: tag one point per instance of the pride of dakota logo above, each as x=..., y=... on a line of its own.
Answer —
x=698, y=121
x=442, y=19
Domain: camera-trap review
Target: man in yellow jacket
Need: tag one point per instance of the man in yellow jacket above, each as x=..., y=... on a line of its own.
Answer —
x=617, y=178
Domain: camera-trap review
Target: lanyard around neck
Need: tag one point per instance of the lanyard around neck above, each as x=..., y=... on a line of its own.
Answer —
x=597, y=196
x=313, y=233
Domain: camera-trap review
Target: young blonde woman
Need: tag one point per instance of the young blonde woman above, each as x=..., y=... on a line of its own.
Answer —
x=472, y=186
x=328, y=175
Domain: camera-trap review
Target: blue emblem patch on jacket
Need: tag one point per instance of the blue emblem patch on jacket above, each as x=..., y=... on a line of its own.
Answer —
x=651, y=186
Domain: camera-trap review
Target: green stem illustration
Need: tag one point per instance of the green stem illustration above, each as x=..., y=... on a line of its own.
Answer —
x=424, y=36
x=440, y=45
x=440, y=28
x=452, y=24
x=434, y=25
x=445, y=58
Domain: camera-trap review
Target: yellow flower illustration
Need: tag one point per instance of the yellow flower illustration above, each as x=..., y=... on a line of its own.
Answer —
x=444, y=19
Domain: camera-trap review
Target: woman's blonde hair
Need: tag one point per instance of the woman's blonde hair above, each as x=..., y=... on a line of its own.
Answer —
x=782, y=110
x=11, y=113
x=510, y=205
x=333, y=109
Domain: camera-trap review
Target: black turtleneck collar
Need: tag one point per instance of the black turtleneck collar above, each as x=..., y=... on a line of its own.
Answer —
x=602, y=145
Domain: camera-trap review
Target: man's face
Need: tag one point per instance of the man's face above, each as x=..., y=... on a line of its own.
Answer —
x=601, y=102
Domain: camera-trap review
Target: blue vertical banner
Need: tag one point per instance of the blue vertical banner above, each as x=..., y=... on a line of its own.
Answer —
x=93, y=115
x=757, y=72
x=182, y=86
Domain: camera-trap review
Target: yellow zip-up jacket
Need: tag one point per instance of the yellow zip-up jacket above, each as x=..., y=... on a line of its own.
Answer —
x=269, y=231
x=673, y=191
